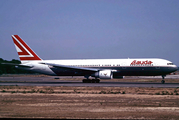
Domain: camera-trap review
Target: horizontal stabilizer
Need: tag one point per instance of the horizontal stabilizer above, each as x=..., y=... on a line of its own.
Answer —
x=19, y=65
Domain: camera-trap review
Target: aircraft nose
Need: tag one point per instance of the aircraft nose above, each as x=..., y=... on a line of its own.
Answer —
x=175, y=68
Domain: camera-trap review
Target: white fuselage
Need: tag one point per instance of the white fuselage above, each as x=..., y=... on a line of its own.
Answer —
x=98, y=68
x=119, y=67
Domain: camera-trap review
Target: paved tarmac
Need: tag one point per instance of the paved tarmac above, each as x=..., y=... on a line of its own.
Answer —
x=51, y=81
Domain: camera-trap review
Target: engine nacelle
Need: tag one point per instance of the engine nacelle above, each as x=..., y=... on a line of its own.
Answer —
x=105, y=74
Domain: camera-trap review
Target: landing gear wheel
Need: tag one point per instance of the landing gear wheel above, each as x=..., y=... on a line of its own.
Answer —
x=84, y=80
x=93, y=81
x=90, y=81
x=163, y=81
x=97, y=80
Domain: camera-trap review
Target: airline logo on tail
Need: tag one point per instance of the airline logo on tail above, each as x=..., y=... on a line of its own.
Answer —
x=24, y=51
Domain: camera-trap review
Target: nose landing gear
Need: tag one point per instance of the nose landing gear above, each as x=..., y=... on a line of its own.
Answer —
x=163, y=81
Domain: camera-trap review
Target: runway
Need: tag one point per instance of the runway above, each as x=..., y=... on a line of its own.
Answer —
x=52, y=81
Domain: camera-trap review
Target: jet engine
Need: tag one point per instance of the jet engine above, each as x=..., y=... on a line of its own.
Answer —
x=104, y=74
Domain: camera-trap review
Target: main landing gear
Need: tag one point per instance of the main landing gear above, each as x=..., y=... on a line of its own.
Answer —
x=87, y=80
x=163, y=81
x=91, y=81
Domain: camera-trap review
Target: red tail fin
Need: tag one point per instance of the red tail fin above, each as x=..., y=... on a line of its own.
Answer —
x=24, y=51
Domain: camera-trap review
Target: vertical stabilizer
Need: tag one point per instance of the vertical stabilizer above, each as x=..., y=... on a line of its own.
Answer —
x=24, y=51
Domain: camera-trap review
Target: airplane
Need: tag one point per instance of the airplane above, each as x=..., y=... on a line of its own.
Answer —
x=95, y=68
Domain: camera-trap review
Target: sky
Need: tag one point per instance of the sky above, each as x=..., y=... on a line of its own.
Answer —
x=91, y=29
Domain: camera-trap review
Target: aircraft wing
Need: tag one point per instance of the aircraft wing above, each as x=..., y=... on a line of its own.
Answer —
x=71, y=67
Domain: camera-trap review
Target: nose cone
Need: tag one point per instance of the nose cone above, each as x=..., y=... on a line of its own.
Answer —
x=175, y=68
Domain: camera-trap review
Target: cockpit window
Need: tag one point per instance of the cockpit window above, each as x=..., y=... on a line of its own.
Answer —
x=169, y=63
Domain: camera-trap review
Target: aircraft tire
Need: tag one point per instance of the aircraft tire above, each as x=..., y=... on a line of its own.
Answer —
x=93, y=81
x=163, y=81
x=97, y=80
x=90, y=81
x=84, y=80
